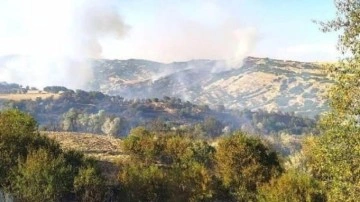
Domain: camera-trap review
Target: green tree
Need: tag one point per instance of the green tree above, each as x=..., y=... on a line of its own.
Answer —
x=16, y=122
x=18, y=135
x=244, y=163
x=42, y=177
x=334, y=157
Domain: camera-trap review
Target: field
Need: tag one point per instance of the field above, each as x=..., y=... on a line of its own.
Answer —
x=105, y=149
x=101, y=147
x=28, y=96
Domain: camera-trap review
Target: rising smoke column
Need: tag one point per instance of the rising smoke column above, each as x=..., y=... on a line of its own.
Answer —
x=57, y=38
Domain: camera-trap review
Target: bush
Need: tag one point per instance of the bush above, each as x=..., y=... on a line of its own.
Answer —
x=42, y=177
x=18, y=136
x=89, y=185
x=292, y=186
x=167, y=167
x=144, y=183
x=34, y=167
x=243, y=164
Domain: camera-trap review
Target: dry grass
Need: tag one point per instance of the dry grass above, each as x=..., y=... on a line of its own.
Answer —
x=100, y=147
x=105, y=149
x=28, y=96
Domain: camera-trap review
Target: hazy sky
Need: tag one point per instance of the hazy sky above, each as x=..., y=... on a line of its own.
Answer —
x=168, y=30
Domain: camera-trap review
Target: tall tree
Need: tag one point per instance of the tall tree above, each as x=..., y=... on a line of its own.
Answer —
x=334, y=157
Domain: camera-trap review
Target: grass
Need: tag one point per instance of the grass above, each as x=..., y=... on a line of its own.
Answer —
x=106, y=150
x=100, y=147
x=28, y=96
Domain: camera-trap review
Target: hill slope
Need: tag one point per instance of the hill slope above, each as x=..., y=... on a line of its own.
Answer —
x=260, y=83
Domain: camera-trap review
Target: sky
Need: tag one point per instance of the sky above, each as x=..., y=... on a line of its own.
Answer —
x=168, y=31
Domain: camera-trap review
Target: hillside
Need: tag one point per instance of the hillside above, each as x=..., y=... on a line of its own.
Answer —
x=95, y=112
x=260, y=83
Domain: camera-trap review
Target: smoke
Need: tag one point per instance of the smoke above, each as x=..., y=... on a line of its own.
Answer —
x=57, y=37
x=178, y=33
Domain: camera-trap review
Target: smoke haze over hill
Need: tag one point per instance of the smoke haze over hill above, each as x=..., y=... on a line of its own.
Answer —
x=58, y=37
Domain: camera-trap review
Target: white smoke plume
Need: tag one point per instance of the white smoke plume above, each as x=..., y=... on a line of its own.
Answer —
x=57, y=37
x=213, y=32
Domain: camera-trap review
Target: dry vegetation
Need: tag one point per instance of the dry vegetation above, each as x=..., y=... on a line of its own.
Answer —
x=101, y=147
x=28, y=96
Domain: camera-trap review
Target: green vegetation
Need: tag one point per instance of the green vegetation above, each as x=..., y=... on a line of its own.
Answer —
x=94, y=112
x=173, y=167
x=163, y=166
x=33, y=167
x=334, y=157
x=292, y=186
x=243, y=164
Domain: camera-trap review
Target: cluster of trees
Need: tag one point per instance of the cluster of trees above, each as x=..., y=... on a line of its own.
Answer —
x=99, y=123
x=35, y=168
x=95, y=112
x=238, y=167
x=55, y=89
x=10, y=88
x=263, y=122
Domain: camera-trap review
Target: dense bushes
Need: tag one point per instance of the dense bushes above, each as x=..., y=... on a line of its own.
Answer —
x=182, y=168
x=34, y=168
x=168, y=166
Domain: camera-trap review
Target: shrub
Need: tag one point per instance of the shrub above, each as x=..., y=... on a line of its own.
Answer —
x=243, y=164
x=292, y=186
x=89, y=185
x=42, y=177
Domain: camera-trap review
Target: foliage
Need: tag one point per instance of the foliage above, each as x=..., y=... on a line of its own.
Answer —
x=55, y=89
x=18, y=136
x=212, y=127
x=244, y=163
x=89, y=184
x=292, y=186
x=190, y=169
x=10, y=88
x=16, y=122
x=34, y=168
x=333, y=158
x=42, y=177
x=144, y=183
x=94, y=112
x=180, y=165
